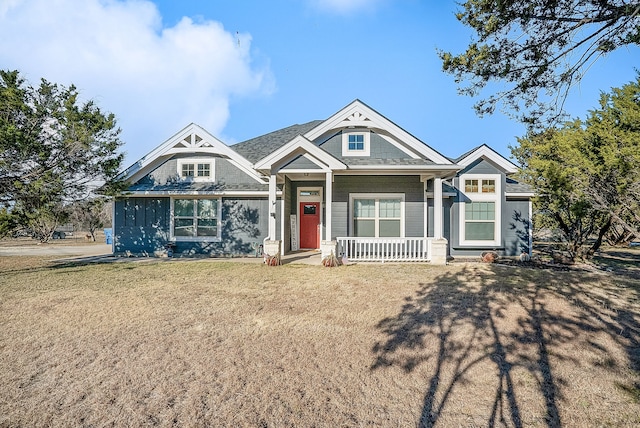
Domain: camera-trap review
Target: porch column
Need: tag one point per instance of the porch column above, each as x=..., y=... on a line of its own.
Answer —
x=272, y=207
x=425, y=208
x=328, y=195
x=438, y=224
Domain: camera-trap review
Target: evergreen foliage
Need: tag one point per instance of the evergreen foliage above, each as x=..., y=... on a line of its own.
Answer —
x=54, y=150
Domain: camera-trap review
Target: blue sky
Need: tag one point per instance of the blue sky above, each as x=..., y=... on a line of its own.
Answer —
x=244, y=68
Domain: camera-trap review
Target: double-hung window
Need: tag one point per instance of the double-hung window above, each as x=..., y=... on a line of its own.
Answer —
x=377, y=215
x=480, y=210
x=195, y=219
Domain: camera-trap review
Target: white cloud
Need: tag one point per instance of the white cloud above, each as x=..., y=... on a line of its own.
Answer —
x=345, y=7
x=155, y=79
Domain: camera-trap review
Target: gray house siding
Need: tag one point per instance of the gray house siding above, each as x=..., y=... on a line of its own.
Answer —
x=411, y=186
x=514, y=215
x=142, y=224
x=379, y=147
x=301, y=163
x=224, y=172
x=516, y=227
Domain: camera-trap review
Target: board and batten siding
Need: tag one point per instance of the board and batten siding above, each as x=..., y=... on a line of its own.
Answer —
x=142, y=227
x=516, y=225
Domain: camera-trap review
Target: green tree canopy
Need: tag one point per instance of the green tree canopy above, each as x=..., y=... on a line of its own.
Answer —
x=54, y=149
x=537, y=49
x=586, y=172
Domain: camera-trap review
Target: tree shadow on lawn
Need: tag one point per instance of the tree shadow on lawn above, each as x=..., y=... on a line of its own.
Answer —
x=485, y=321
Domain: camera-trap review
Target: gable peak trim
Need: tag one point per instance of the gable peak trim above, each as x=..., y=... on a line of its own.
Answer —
x=486, y=152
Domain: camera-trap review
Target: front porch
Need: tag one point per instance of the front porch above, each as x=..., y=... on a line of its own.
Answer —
x=360, y=249
x=328, y=210
x=365, y=207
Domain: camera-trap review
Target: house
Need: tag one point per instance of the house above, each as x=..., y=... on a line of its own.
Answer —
x=356, y=184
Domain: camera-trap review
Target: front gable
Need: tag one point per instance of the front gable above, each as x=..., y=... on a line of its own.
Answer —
x=194, y=153
x=486, y=153
x=385, y=138
x=299, y=146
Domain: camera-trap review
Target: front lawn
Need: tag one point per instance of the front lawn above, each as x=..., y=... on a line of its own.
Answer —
x=192, y=343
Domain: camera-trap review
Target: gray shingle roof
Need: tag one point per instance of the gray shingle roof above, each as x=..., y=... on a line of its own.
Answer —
x=390, y=162
x=197, y=187
x=257, y=148
x=513, y=186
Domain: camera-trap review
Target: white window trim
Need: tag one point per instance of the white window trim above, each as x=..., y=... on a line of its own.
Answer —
x=482, y=197
x=401, y=196
x=195, y=162
x=361, y=153
x=216, y=238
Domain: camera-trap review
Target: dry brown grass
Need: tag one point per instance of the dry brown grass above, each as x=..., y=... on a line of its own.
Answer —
x=231, y=344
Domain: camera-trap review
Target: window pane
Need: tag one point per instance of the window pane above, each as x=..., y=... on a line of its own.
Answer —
x=207, y=227
x=356, y=142
x=207, y=208
x=204, y=170
x=183, y=207
x=488, y=186
x=187, y=170
x=390, y=228
x=479, y=231
x=184, y=227
x=390, y=208
x=480, y=211
x=471, y=186
x=365, y=228
x=364, y=208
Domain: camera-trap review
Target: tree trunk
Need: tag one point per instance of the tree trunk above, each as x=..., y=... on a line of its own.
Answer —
x=603, y=231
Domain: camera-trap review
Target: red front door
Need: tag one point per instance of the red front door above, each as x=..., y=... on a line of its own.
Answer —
x=309, y=224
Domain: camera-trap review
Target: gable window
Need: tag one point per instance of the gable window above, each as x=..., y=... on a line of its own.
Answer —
x=377, y=215
x=204, y=170
x=480, y=210
x=355, y=143
x=187, y=170
x=195, y=219
x=197, y=170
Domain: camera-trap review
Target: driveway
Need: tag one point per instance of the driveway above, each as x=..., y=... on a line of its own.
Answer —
x=56, y=250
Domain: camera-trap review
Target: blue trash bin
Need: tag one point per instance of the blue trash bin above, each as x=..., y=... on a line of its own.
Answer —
x=108, y=236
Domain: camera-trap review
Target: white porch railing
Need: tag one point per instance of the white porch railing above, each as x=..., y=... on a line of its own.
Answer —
x=385, y=249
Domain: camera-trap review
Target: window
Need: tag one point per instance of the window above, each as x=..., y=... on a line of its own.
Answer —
x=204, y=170
x=480, y=210
x=355, y=143
x=377, y=215
x=194, y=169
x=195, y=218
x=487, y=186
x=187, y=170
x=480, y=221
